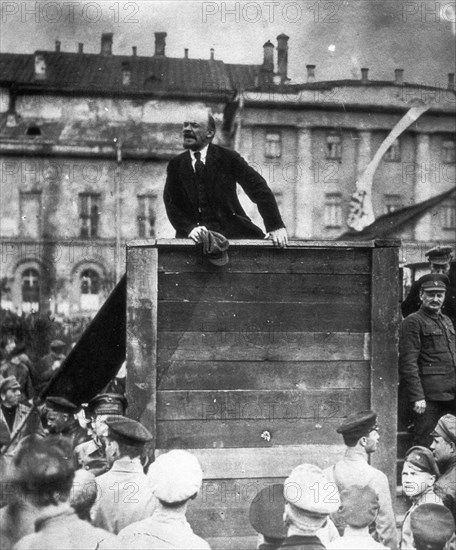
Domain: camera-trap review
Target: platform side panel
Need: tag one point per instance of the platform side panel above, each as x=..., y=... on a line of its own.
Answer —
x=142, y=335
x=384, y=379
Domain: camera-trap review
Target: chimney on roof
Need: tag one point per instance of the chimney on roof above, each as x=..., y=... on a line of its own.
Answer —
x=282, y=57
x=160, y=43
x=364, y=76
x=212, y=54
x=126, y=74
x=399, y=77
x=106, y=43
x=57, y=45
x=185, y=53
x=40, y=67
x=267, y=70
x=134, y=51
x=310, y=73
x=451, y=81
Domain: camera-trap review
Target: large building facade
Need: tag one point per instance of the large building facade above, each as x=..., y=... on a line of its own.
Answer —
x=85, y=140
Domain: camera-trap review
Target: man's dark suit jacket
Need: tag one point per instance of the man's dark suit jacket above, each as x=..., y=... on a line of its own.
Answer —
x=223, y=169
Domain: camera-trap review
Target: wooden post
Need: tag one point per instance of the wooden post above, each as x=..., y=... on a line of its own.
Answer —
x=142, y=334
x=384, y=354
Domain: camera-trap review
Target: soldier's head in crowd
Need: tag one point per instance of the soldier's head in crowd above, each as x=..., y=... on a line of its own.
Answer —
x=432, y=292
x=359, y=505
x=124, y=438
x=440, y=258
x=83, y=493
x=58, y=348
x=444, y=440
x=419, y=472
x=10, y=392
x=310, y=499
x=432, y=526
x=360, y=429
x=266, y=514
x=43, y=470
x=59, y=414
x=175, y=478
x=102, y=406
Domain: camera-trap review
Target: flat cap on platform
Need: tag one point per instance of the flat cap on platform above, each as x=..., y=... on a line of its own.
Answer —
x=440, y=255
x=359, y=505
x=358, y=424
x=266, y=512
x=446, y=428
x=107, y=403
x=60, y=404
x=127, y=430
x=432, y=525
x=175, y=476
x=9, y=383
x=309, y=490
x=57, y=344
x=434, y=281
x=422, y=458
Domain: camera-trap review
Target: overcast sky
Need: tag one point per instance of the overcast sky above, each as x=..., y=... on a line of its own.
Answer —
x=339, y=36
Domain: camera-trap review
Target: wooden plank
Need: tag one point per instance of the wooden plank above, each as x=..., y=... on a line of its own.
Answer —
x=251, y=316
x=142, y=336
x=263, y=346
x=264, y=405
x=226, y=287
x=266, y=243
x=385, y=326
x=225, y=375
x=269, y=260
x=253, y=463
x=182, y=434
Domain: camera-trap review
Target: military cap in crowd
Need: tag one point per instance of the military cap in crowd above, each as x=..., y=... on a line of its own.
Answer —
x=175, y=476
x=358, y=424
x=9, y=383
x=57, y=344
x=422, y=458
x=359, y=505
x=310, y=497
x=108, y=403
x=266, y=512
x=432, y=526
x=440, y=255
x=434, y=281
x=127, y=430
x=446, y=428
x=61, y=404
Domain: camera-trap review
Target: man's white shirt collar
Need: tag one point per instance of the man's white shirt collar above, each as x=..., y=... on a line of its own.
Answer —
x=203, y=155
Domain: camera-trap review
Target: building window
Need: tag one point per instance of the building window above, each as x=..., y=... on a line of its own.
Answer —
x=334, y=146
x=30, y=290
x=89, y=214
x=33, y=131
x=393, y=154
x=449, y=215
x=273, y=145
x=449, y=152
x=146, y=215
x=333, y=210
x=392, y=203
x=30, y=213
x=90, y=290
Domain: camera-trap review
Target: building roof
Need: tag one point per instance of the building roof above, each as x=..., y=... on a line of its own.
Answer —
x=389, y=224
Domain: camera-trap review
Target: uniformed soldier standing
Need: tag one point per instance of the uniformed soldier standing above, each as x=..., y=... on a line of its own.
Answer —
x=360, y=433
x=444, y=451
x=427, y=359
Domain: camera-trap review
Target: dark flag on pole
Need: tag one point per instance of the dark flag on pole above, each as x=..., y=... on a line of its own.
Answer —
x=97, y=356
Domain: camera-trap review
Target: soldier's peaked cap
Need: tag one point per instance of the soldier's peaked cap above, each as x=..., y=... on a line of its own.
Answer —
x=446, y=428
x=422, y=458
x=108, y=403
x=127, y=430
x=440, y=255
x=434, y=281
x=358, y=424
x=9, y=383
x=60, y=404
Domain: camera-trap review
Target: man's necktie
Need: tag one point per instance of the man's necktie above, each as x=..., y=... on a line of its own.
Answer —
x=199, y=164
